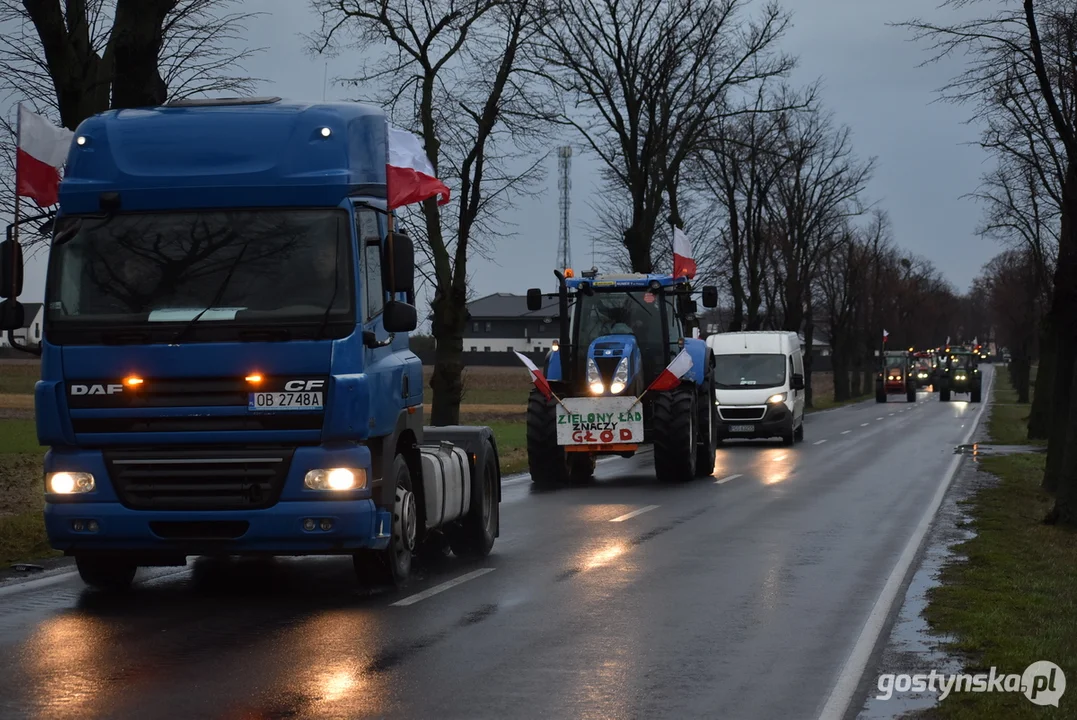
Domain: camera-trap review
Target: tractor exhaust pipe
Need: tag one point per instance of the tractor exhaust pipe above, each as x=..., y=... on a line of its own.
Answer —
x=567, y=361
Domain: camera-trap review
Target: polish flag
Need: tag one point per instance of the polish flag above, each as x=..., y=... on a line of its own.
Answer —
x=42, y=150
x=536, y=376
x=684, y=265
x=885, y=335
x=671, y=376
x=409, y=174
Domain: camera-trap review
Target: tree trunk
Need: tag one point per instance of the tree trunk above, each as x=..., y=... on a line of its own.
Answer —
x=137, y=37
x=449, y=321
x=809, y=336
x=1039, y=420
x=1022, y=371
x=1064, y=511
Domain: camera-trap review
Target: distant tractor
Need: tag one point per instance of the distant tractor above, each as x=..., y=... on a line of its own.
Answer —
x=618, y=333
x=960, y=374
x=895, y=376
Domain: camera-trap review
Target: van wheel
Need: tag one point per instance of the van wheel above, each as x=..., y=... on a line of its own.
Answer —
x=798, y=434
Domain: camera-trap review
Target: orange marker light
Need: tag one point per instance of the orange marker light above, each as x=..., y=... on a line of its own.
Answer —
x=569, y=273
x=132, y=381
x=254, y=378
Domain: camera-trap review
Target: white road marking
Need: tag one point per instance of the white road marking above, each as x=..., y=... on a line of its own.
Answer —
x=849, y=678
x=892, y=414
x=779, y=458
x=634, y=513
x=846, y=432
x=818, y=442
x=879, y=418
x=418, y=597
x=864, y=424
x=727, y=479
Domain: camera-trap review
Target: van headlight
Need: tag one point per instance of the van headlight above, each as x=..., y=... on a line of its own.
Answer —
x=339, y=479
x=594, y=379
x=620, y=377
x=69, y=483
x=776, y=398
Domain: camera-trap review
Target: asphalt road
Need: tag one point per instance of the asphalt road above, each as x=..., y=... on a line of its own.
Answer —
x=738, y=596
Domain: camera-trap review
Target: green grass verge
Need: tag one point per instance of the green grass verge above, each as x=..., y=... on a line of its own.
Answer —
x=511, y=445
x=1008, y=424
x=22, y=528
x=23, y=539
x=1015, y=599
x=18, y=436
x=827, y=402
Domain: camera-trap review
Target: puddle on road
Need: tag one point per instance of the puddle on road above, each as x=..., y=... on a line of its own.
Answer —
x=976, y=450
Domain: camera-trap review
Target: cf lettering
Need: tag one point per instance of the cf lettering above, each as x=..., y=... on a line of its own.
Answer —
x=301, y=385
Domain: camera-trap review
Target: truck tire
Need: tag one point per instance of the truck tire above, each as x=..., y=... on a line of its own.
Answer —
x=474, y=537
x=707, y=431
x=944, y=394
x=910, y=395
x=674, y=419
x=546, y=459
x=105, y=573
x=393, y=564
x=581, y=468
x=976, y=395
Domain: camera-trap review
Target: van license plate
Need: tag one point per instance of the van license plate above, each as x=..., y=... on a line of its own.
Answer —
x=742, y=428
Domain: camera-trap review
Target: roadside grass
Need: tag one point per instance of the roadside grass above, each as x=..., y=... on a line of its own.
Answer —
x=22, y=528
x=1013, y=601
x=18, y=378
x=822, y=393
x=1008, y=424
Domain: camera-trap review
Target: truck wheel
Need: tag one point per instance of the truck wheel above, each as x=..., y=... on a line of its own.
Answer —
x=474, y=537
x=105, y=573
x=393, y=564
x=674, y=421
x=546, y=459
x=707, y=430
x=880, y=394
x=910, y=395
x=581, y=468
x=944, y=395
x=976, y=395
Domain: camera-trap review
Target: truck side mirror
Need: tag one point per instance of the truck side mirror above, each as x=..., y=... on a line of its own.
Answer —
x=798, y=381
x=710, y=296
x=399, y=317
x=534, y=299
x=10, y=269
x=398, y=270
x=12, y=315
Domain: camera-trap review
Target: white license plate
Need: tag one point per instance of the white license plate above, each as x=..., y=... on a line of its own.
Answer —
x=268, y=401
x=742, y=428
x=599, y=421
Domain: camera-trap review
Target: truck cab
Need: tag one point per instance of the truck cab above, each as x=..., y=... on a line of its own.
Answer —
x=225, y=362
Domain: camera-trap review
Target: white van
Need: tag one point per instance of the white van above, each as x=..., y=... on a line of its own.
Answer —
x=759, y=385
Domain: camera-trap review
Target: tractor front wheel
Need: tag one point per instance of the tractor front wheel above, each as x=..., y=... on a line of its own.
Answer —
x=546, y=459
x=675, y=422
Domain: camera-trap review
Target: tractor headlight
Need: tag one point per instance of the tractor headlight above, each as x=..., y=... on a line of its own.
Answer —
x=962, y=376
x=594, y=379
x=620, y=377
x=776, y=398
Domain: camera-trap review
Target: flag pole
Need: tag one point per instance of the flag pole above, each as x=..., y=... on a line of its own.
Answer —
x=18, y=140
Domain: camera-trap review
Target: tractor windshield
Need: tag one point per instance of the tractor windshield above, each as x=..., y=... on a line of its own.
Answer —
x=619, y=312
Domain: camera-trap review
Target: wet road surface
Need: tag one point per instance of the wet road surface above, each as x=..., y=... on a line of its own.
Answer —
x=737, y=596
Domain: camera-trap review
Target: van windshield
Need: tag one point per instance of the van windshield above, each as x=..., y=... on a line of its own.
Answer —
x=749, y=370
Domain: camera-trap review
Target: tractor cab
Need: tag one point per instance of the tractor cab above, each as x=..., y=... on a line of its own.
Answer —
x=961, y=374
x=895, y=376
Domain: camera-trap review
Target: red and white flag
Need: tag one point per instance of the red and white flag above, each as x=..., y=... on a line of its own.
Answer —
x=885, y=335
x=684, y=265
x=42, y=151
x=409, y=174
x=671, y=376
x=536, y=376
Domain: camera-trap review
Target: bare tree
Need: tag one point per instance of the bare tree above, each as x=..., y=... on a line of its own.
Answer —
x=643, y=80
x=460, y=74
x=1038, y=43
x=71, y=60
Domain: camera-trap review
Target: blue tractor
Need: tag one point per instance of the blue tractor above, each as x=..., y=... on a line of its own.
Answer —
x=618, y=333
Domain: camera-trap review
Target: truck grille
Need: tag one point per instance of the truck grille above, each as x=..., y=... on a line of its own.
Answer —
x=199, y=479
x=742, y=413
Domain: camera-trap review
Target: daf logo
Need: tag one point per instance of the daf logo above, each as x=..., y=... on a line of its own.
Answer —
x=302, y=385
x=96, y=389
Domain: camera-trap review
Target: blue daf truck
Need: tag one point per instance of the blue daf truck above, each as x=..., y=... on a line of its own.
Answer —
x=225, y=364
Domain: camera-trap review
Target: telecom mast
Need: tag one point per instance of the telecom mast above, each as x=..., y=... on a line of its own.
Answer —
x=564, y=184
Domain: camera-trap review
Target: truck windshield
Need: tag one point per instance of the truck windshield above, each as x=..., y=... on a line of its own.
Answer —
x=280, y=267
x=749, y=370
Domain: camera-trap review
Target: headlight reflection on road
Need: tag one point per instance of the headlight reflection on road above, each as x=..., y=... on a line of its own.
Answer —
x=775, y=466
x=71, y=656
x=605, y=556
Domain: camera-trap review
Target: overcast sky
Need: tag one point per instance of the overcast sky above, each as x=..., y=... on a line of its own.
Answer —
x=871, y=81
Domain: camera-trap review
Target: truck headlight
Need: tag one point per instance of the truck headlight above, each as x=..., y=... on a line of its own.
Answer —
x=620, y=377
x=336, y=479
x=594, y=379
x=69, y=483
x=776, y=398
